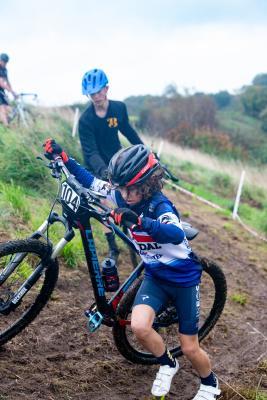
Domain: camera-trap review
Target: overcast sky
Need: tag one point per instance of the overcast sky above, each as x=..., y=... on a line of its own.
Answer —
x=143, y=45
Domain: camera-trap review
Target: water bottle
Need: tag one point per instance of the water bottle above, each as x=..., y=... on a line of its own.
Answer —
x=110, y=275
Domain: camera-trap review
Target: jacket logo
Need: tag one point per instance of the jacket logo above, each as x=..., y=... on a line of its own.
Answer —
x=149, y=246
x=112, y=122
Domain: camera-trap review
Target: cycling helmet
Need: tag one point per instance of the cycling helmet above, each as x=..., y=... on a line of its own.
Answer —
x=132, y=166
x=4, y=57
x=93, y=81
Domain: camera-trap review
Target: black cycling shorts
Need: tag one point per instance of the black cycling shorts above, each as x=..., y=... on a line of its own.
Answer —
x=185, y=299
x=3, y=99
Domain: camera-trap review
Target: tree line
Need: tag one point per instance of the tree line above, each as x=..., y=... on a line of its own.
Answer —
x=192, y=119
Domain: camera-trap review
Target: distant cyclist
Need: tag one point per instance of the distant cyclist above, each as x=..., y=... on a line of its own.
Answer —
x=4, y=85
x=98, y=130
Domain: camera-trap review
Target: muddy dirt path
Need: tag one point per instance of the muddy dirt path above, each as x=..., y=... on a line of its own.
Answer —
x=57, y=359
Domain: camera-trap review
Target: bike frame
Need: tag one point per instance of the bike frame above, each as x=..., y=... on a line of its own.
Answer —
x=19, y=107
x=103, y=311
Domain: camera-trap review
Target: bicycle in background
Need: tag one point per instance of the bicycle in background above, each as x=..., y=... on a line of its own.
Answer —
x=21, y=112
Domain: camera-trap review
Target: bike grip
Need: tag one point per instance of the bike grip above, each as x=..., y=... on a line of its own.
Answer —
x=127, y=224
x=173, y=177
x=170, y=175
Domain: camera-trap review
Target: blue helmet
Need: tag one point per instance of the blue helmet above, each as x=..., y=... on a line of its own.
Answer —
x=93, y=81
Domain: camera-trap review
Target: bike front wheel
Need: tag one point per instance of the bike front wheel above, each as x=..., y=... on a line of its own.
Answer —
x=18, y=260
x=213, y=291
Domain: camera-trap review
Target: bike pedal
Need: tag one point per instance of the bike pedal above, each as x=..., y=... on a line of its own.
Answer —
x=95, y=319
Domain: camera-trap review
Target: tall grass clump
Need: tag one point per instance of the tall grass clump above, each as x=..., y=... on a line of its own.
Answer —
x=263, y=221
x=217, y=181
x=20, y=148
x=15, y=197
x=18, y=162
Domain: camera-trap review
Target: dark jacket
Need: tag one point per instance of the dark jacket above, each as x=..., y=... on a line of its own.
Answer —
x=99, y=136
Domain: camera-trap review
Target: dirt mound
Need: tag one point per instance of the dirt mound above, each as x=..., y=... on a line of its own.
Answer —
x=56, y=357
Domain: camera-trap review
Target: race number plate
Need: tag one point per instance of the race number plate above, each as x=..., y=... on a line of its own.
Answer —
x=70, y=197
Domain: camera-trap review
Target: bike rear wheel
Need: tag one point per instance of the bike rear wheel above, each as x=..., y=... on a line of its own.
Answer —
x=18, y=259
x=213, y=290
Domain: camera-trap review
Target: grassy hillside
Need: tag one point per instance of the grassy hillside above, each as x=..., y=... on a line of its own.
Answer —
x=245, y=132
x=26, y=189
x=217, y=181
x=197, y=122
x=76, y=363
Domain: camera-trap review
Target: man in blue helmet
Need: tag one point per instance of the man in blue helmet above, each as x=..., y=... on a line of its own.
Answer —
x=4, y=85
x=98, y=130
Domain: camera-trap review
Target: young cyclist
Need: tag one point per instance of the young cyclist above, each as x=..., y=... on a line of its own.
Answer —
x=172, y=272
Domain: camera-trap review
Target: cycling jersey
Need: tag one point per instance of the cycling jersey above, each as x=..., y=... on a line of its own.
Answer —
x=99, y=136
x=160, y=241
x=3, y=75
x=3, y=99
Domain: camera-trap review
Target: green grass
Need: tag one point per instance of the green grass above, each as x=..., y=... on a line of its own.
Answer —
x=14, y=197
x=246, y=134
x=254, y=394
x=27, y=189
x=19, y=150
x=240, y=298
x=24, y=272
x=220, y=189
x=256, y=218
x=234, y=121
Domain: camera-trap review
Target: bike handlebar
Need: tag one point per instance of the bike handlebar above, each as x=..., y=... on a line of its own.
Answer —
x=92, y=197
x=34, y=95
x=168, y=173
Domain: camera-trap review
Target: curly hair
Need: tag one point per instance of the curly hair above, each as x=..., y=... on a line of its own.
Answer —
x=153, y=184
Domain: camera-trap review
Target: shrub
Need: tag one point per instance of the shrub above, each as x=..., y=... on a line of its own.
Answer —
x=222, y=183
x=222, y=98
x=254, y=100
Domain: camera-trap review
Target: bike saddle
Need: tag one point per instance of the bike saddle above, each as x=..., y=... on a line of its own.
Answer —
x=189, y=231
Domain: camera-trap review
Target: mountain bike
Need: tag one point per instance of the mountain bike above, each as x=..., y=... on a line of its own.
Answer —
x=20, y=112
x=29, y=271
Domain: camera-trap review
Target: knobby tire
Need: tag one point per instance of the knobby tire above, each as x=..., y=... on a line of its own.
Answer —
x=41, y=250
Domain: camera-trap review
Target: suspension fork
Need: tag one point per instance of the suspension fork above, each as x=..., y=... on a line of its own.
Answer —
x=12, y=265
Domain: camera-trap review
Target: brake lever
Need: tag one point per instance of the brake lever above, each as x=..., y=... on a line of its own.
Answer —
x=169, y=174
x=55, y=170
